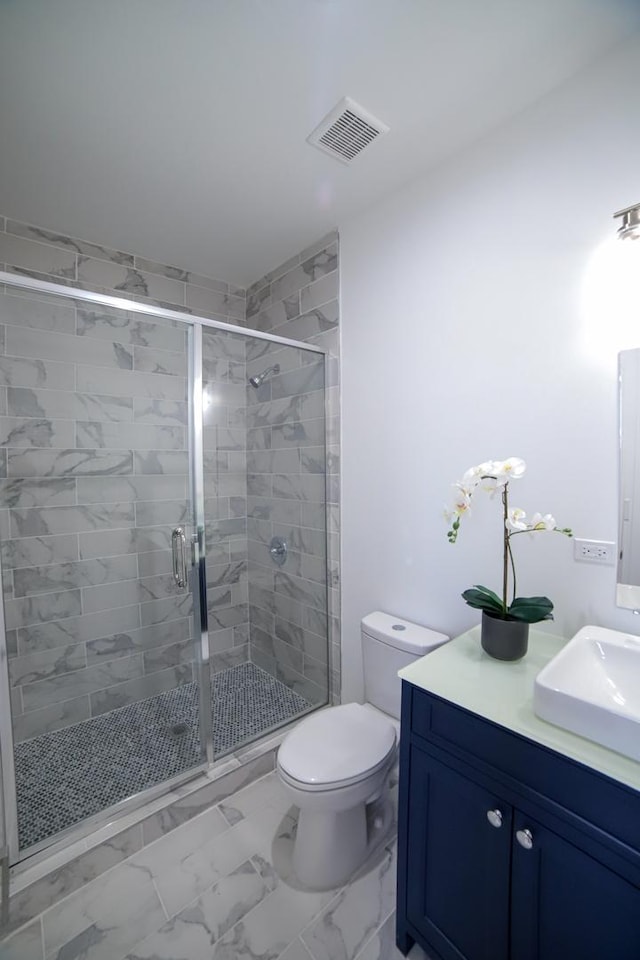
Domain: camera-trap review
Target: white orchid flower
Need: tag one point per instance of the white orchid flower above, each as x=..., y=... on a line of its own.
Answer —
x=462, y=500
x=510, y=469
x=516, y=520
x=539, y=522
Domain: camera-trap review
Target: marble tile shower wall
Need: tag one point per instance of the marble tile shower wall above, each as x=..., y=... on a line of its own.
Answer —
x=34, y=252
x=93, y=419
x=289, y=423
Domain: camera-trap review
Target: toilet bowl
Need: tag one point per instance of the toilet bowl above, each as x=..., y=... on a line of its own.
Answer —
x=337, y=761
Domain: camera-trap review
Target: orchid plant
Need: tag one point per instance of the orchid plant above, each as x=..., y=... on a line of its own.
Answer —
x=494, y=476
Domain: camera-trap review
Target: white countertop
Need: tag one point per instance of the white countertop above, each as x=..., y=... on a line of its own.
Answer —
x=461, y=672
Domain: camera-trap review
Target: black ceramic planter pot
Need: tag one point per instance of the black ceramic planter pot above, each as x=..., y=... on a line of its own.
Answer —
x=504, y=639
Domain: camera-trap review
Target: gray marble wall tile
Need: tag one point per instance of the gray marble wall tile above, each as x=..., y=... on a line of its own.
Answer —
x=160, y=658
x=328, y=242
x=161, y=461
x=279, y=511
x=304, y=487
x=310, y=324
x=283, y=653
x=305, y=591
x=68, y=243
x=315, y=621
x=111, y=698
x=319, y=293
x=129, y=383
x=48, y=663
x=166, y=512
x=313, y=515
x=44, y=521
x=44, y=636
x=128, y=642
x=92, y=679
x=109, y=489
x=160, y=411
x=23, y=342
x=169, y=608
x=43, y=258
x=304, y=380
x=287, y=410
x=33, y=372
x=24, y=402
x=121, y=436
x=219, y=574
x=108, y=323
x=229, y=658
x=68, y=576
x=72, y=463
x=217, y=344
x=258, y=297
x=107, y=543
x=29, y=432
x=274, y=461
x=41, y=314
x=203, y=298
x=48, y=606
x=110, y=595
x=277, y=314
x=37, y=493
x=319, y=265
x=304, y=640
x=125, y=279
x=152, y=360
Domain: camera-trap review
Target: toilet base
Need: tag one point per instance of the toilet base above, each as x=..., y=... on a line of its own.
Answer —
x=329, y=846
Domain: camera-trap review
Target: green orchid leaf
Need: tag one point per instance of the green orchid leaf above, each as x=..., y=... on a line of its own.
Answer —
x=531, y=609
x=481, y=598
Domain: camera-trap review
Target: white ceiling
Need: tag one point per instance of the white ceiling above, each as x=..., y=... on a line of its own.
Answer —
x=176, y=128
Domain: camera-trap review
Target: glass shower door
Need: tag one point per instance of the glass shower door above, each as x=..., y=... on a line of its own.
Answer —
x=97, y=517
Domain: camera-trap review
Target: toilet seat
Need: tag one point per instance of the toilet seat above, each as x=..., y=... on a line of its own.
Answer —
x=336, y=748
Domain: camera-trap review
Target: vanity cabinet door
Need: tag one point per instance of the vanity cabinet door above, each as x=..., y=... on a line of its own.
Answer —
x=458, y=862
x=566, y=903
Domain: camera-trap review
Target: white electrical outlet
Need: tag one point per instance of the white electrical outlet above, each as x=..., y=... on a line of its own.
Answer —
x=594, y=551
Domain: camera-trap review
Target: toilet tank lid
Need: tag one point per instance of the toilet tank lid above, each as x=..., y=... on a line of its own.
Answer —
x=402, y=634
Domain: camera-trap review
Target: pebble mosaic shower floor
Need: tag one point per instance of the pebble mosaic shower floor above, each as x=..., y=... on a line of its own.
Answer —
x=65, y=776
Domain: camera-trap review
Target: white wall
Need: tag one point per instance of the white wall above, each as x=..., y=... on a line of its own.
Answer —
x=480, y=321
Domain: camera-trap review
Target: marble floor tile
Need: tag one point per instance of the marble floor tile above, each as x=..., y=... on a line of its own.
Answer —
x=296, y=951
x=268, y=791
x=192, y=933
x=271, y=926
x=105, y=918
x=350, y=920
x=26, y=944
x=188, y=860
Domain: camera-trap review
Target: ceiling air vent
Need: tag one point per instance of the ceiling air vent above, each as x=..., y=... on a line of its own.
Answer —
x=346, y=131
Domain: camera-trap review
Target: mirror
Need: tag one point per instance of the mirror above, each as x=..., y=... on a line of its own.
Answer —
x=628, y=585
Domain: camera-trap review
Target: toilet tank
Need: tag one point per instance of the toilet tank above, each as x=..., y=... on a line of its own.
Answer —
x=389, y=644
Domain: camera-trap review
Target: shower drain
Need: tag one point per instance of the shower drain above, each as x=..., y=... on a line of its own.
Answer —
x=178, y=729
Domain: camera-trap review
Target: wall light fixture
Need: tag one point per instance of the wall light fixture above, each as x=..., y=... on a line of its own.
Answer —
x=629, y=228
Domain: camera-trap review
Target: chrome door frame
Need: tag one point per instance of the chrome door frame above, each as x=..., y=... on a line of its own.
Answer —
x=194, y=325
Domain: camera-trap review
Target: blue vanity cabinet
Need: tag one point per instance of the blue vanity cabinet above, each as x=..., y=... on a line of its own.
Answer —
x=508, y=850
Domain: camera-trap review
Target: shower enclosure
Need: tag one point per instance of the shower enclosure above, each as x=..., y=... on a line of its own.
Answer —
x=163, y=550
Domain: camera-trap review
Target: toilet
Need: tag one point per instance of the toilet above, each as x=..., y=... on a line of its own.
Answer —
x=337, y=761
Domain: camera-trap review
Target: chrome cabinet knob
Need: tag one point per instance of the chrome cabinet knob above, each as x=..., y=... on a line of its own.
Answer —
x=495, y=818
x=525, y=839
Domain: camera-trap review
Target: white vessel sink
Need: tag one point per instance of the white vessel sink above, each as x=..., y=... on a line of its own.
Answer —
x=592, y=687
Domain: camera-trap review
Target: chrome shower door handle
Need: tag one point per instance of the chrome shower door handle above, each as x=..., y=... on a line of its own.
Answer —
x=179, y=556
